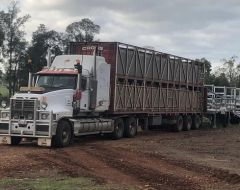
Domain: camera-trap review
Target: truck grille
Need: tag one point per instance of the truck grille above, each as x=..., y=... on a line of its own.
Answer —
x=21, y=108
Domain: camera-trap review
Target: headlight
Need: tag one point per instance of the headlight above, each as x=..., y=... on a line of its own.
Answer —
x=44, y=116
x=44, y=105
x=30, y=116
x=15, y=116
x=5, y=115
x=4, y=104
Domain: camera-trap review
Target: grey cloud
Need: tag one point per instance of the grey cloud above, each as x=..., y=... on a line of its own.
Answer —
x=181, y=13
x=190, y=28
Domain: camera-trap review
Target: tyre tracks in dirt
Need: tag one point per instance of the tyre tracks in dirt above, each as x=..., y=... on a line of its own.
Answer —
x=219, y=174
x=75, y=162
x=163, y=173
x=151, y=175
x=152, y=161
x=124, y=166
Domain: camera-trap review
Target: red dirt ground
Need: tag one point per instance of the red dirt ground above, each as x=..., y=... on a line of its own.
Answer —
x=201, y=159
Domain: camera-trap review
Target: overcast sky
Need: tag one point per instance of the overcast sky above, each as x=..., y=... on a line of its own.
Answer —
x=188, y=28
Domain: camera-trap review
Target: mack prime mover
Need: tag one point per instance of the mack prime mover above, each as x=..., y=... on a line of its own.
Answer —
x=105, y=87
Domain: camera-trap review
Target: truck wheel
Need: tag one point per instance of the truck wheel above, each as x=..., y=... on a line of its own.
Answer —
x=179, y=124
x=143, y=123
x=130, y=127
x=63, y=134
x=15, y=140
x=118, y=129
x=187, y=123
x=196, y=122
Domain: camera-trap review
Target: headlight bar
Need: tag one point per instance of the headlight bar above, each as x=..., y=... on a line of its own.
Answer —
x=4, y=115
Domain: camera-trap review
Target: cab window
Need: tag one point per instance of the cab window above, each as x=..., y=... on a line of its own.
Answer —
x=83, y=83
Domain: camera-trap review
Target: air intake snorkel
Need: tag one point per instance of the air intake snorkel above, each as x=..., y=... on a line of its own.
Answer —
x=30, y=74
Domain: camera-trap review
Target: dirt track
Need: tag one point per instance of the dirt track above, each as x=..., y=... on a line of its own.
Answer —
x=203, y=159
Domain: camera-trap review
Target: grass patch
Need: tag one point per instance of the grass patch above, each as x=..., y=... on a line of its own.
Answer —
x=58, y=184
x=3, y=91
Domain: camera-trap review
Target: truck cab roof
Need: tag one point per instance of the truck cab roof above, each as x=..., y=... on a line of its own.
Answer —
x=64, y=64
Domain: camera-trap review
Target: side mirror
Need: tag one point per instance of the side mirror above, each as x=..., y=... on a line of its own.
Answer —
x=78, y=67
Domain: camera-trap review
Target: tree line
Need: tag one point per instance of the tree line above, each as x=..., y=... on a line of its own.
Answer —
x=226, y=74
x=15, y=50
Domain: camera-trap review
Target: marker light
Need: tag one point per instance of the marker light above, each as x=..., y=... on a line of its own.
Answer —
x=44, y=116
x=30, y=116
x=4, y=104
x=5, y=115
x=44, y=105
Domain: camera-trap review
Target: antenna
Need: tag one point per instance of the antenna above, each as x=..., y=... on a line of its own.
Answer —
x=48, y=57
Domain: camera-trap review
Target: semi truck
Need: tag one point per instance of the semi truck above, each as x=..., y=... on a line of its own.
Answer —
x=105, y=88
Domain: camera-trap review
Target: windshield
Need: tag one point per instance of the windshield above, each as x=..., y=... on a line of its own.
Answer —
x=54, y=82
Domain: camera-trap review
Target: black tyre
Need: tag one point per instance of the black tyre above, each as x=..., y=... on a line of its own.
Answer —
x=118, y=129
x=225, y=119
x=130, y=127
x=143, y=123
x=234, y=119
x=15, y=140
x=63, y=134
x=196, y=122
x=179, y=124
x=187, y=123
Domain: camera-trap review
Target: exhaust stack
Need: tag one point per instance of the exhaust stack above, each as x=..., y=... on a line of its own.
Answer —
x=48, y=58
x=95, y=63
x=30, y=74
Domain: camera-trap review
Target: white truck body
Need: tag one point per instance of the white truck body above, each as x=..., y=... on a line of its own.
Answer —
x=126, y=87
x=59, y=102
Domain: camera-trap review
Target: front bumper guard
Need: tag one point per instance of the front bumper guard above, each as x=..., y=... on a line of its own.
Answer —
x=41, y=129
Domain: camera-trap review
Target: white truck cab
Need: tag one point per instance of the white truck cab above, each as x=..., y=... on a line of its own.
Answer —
x=48, y=111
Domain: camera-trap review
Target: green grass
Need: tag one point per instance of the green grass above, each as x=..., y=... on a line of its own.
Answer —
x=55, y=184
x=3, y=91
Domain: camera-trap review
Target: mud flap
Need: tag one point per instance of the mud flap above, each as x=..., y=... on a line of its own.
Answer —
x=44, y=142
x=5, y=140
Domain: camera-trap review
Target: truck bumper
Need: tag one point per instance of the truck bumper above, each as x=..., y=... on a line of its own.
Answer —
x=5, y=140
x=45, y=142
x=42, y=130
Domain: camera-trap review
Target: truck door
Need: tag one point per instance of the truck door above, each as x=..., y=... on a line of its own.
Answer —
x=84, y=103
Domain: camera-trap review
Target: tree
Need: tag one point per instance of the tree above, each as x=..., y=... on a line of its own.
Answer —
x=230, y=69
x=22, y=52
x=42, y=39
x=1, y=77
x=229, y=73
x=221, y=80
x=11, y=26
x=1, y=30
x=82, y=31
x=208, y=76
x=1, y=39
x=226, y=75
x=48, y=38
